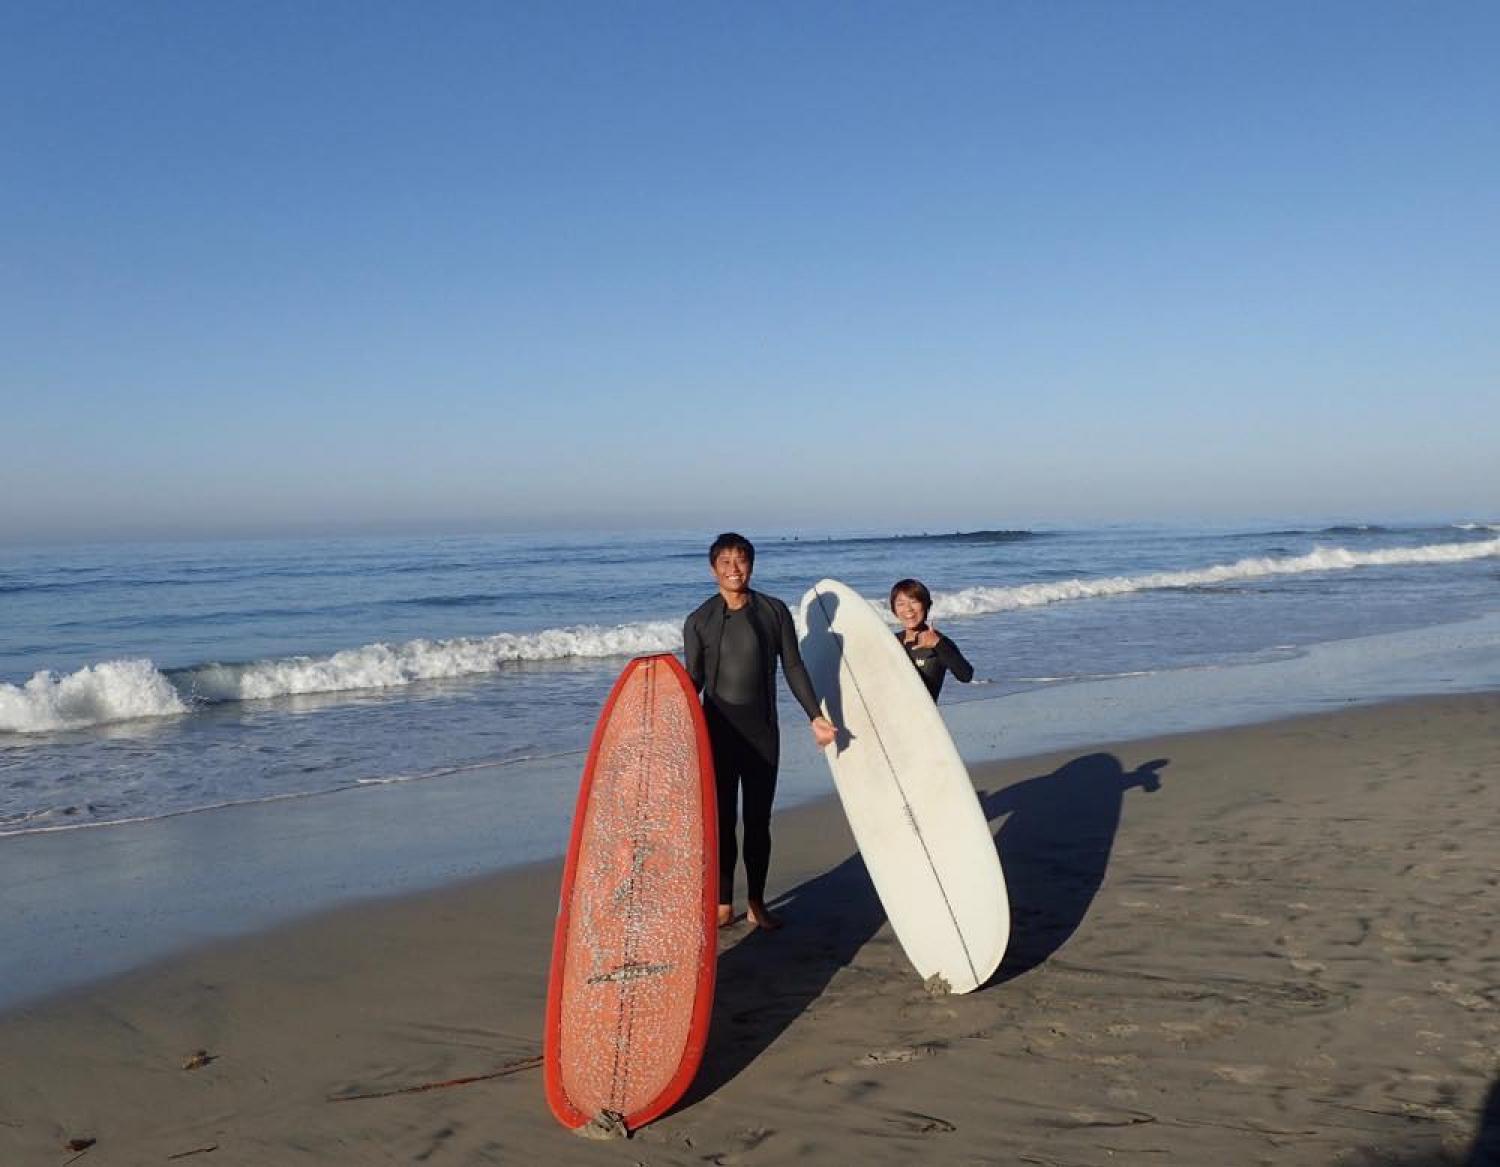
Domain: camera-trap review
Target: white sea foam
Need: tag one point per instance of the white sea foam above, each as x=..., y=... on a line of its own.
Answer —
x=384, y=666
x=122, y=690
x=1074, y=677
x=118, y=690
x=979, y=601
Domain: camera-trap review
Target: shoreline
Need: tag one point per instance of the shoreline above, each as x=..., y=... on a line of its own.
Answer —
x=1284, y=952
x=1453, y=655
x=83, y=909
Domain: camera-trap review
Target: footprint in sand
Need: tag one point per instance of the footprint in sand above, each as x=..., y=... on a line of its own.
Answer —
x=1043, y=1035
x=1089, y=1118
x=905, y=1053
x=1182, y=1030
x=911, y=1122
x=1248, y=921
x=1244, y=1075
x=1456, y=994
x=858, y=1085
x=927, y=1009
x=748, y=1140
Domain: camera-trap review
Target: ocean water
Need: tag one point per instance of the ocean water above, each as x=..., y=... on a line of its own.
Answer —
x=143, y=680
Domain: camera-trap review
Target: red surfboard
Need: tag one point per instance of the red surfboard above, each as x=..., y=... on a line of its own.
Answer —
x=635, y=949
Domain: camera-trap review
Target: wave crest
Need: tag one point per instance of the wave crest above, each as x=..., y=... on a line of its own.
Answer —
x=384, y=666
x=118, y=690
x=979, y=601
x=123, y=690
x=126, y=690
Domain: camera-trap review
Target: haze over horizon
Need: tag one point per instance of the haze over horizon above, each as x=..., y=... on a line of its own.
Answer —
x=357, y=267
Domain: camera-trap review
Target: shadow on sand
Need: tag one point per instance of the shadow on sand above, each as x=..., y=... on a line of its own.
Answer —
x=768, y=980
x=1485, y=1151
x=1054, y=847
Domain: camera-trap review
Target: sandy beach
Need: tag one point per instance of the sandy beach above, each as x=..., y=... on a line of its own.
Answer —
x=1269, y=944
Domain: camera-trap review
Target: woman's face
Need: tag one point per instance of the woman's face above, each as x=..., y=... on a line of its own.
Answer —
x=910, y=611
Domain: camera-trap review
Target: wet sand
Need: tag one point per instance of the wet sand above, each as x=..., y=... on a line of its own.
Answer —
x=1269, y=944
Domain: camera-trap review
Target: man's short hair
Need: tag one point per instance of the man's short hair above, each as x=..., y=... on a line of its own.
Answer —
x=915, y=589
x=730, y=541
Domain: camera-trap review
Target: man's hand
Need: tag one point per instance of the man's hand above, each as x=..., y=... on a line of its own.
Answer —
x=823, y=731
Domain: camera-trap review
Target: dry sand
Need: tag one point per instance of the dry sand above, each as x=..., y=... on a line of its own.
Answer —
x=1273, y=944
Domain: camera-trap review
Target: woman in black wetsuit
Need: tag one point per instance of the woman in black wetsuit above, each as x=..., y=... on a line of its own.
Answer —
x=933, y=654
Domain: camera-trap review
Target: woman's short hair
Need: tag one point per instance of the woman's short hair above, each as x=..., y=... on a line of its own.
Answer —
x=914, y=589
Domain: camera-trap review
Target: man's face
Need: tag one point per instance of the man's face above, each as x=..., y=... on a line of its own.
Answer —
x=732, y=570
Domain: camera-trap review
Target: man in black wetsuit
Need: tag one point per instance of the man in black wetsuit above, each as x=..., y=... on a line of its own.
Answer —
x=731, y=643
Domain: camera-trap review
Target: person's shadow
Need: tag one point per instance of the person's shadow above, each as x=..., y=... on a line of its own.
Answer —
x=765, y=982
x=1486, y=1149
x=1054, y=848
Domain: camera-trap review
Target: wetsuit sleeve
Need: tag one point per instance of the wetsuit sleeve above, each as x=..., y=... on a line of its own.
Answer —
x=953, y=660
x=692, y=650
x=791, y=664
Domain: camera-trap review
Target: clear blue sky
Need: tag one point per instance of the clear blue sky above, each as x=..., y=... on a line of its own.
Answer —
x=326, y=265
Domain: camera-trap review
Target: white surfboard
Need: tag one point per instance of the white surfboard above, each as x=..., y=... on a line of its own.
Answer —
x=906, y=793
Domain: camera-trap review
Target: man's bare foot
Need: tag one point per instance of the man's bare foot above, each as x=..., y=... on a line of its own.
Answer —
x=726, y=915
x=763, y=917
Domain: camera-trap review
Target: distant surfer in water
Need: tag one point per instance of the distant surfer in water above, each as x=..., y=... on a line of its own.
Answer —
x=731, y=644
x=933, y=654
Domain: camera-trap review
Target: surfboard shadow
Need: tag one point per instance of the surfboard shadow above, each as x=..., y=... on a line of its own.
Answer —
x=1055, y=846
x=767, y=981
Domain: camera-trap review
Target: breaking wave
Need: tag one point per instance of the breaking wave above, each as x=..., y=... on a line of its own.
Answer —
x=1363, y=530
x=126, y=690
x=117, y=690
x=979, y=601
